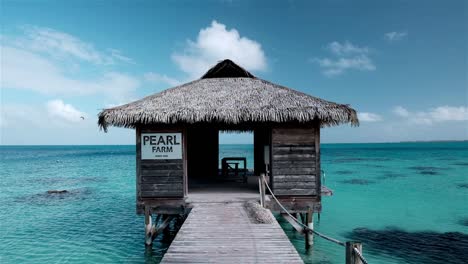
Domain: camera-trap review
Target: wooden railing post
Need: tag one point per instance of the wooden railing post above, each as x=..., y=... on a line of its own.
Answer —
x=261, y=185
x=351, y=256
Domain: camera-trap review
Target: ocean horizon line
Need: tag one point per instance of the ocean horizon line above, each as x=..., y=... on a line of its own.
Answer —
x=325, y=143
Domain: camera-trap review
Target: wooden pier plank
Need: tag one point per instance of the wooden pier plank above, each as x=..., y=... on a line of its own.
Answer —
x=223, y=233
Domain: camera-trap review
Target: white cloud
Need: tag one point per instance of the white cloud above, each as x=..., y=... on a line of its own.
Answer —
x=216, y=43
x=449, y=113
x=347, y=57
x=394, y=35
x=63, y=45
x=346, y=48
x=434, y=115
x=117, y=54
x=332, y=67
x=160, y=78
x=369, y=117
x=66, y=112
x=400, y=111
x=23, y=69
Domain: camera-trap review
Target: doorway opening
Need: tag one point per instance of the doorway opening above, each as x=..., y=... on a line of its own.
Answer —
x=222, y=164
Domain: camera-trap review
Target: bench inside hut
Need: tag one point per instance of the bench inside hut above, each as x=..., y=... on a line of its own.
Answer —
x=177, y=140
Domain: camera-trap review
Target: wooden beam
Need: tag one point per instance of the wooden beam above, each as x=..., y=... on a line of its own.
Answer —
x=294, y=224
x=160, y=228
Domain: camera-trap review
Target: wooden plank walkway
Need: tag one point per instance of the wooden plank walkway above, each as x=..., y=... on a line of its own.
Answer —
x=223, y=233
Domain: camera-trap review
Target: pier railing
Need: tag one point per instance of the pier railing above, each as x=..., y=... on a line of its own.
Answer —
x=353, y=249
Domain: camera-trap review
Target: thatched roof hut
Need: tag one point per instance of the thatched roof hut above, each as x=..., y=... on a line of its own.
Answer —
x=231, y=96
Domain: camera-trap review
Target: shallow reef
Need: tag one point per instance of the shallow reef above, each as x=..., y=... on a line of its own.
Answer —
x=414, y=247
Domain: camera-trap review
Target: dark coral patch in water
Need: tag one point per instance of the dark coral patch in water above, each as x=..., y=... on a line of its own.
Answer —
x=463, y=221
x=344, y=160
x=428, y=172
x=391, y=175
x=68, y=180
x=52, y=197
x=461, y=163
x=358, y=181
x=414, y=247
x=344, y=172
x=364, y=161
x=427, y=168
x=462, y=185
x=374, y=165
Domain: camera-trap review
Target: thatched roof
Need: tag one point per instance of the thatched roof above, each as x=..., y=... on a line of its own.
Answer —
x=228, y=94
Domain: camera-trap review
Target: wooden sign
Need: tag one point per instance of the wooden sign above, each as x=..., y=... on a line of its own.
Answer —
x=161, y=146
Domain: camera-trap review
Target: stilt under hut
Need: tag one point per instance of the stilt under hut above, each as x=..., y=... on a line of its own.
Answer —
x=177, y=138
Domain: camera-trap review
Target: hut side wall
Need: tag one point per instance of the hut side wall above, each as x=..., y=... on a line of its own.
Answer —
x=159, y=178
x=295, y=161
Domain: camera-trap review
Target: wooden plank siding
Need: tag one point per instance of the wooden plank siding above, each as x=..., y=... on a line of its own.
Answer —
x=159, y=178
x=294, y=162
x=162, y=178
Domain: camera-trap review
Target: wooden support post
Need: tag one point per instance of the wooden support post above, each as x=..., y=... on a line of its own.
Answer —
x=163, y=226
x=261, y=186
x=148, y=226
x=309, y=236
x=351, y=256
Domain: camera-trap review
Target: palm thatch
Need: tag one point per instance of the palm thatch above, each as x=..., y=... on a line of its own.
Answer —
x=228, y=94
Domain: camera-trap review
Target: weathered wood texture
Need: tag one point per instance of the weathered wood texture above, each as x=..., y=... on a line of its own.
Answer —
x=294, y=162
x=223, y=233
x=351, y=256
x=162, y=205
x=158, y=178
x=161, y=178
x=317, y=161
x=295, y=204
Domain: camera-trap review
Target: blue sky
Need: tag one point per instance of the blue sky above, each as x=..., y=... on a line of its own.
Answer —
x=401, y=64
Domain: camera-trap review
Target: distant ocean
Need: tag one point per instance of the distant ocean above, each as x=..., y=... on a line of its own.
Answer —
x=407, y=203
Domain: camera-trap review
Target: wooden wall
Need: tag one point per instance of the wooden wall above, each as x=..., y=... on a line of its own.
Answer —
x=159, y=178
x=296, y=161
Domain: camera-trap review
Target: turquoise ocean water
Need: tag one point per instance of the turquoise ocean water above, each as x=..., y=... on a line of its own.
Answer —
x=407, y=203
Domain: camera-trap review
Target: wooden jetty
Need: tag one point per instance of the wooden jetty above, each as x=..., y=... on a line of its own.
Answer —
x=223, y=233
